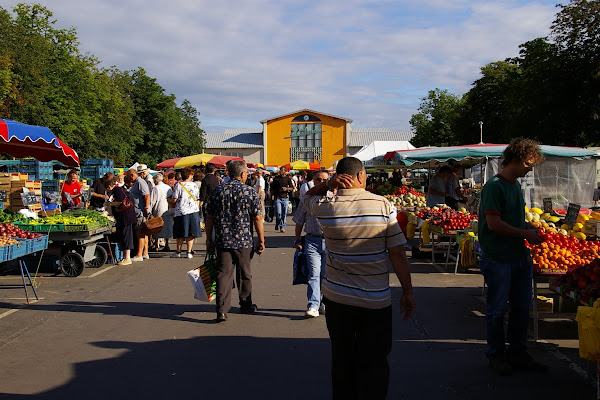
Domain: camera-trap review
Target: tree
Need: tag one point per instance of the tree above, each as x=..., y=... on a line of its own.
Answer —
x=434, y=123
x=191, y=128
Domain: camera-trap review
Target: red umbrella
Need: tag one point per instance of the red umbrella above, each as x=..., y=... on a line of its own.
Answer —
x=170, y=163
x=220, y=161
x=22, y=140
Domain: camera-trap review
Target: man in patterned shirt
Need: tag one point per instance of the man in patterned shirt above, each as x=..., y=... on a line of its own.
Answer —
x=232, y=208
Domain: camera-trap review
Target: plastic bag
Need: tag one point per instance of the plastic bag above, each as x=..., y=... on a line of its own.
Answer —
x=300, y=270
x=204, y=279
x=588, y=319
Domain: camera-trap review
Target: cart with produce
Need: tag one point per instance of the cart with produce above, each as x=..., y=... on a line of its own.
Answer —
x=73, y=238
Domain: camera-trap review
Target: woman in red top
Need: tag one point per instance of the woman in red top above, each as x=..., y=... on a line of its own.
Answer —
x=71, y=191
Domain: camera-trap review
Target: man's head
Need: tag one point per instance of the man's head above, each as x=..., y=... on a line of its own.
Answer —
x=210, y=168
x=258, y=172
x=320, y=176
x=354, y=167
x=522, y=155
x=237, y=168
x=129, y=181
x=132, y=173
x=445, y=171
x=282, y=171
x=108, y=177
x=72, y=176
x=158, y=177
x=143, y=171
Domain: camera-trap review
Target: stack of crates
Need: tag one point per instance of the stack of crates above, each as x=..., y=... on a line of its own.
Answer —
x=37, y=170
x=5, y=179
x=94, y=168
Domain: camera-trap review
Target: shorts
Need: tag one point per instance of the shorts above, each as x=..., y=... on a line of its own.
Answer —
x=187, y=225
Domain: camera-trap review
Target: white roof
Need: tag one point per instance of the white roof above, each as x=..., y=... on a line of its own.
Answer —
x=360, y=137
x=379, y=148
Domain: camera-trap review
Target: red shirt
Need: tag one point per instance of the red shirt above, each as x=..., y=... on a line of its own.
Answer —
x=73, y=189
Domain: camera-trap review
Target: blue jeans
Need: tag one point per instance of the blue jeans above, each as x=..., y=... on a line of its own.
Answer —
x=507, y=281
x=281, y=206
x=316, y=258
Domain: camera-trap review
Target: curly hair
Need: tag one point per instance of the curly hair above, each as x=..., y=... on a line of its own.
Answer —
x=523, y=149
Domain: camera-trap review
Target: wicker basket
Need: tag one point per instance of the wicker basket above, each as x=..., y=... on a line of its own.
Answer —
x=152, y=226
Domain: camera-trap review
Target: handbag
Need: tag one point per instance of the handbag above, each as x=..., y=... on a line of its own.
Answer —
x=126, y=204
x=204, y=279
x=300, y=269
x=152, y=225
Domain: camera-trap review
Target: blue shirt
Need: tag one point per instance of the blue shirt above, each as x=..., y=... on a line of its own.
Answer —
x=233, y=206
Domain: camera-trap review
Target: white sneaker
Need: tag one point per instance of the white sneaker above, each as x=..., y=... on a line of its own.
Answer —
x=137, y=259
x=190, y=255
x=146, y=257
x=176, y=255
x=311, y=313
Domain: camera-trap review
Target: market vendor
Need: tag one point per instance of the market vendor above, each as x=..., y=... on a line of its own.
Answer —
x=453, y=188
x=437, y=192
x=71, y=191
x=100, y=195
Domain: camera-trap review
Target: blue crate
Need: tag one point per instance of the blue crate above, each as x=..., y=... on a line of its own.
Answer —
x=17, y=250
x=104, y=162
x=29, y=163
x=4, y=253
x=37, y=244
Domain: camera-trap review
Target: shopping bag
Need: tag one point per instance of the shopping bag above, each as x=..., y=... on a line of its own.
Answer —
x=300, y=270
x=204, y=279
x=290, y=208
x=588, y=320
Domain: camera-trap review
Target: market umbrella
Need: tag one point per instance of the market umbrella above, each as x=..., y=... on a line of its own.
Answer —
x=299, y=164
x=170, y=163
x=220, y=161
x=196, y=159
x=22, y=140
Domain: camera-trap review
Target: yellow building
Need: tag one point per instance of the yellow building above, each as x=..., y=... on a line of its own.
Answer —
x=306, y=135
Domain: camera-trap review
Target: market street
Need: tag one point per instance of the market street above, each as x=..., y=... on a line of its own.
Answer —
x=136, y=332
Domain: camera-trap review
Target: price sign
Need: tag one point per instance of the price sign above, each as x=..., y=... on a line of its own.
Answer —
x=29, y=199
x=547, y=204
x=572, y=213
x=2, y=196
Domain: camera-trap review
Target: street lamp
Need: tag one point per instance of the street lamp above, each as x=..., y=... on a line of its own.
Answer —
x=480, y=132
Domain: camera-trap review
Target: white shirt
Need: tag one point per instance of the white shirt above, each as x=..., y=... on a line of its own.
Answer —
x=158, y=199
x=260, y=183
x=185, y=203
x=305, y=188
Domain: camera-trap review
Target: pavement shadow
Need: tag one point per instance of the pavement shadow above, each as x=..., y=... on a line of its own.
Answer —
x=227, y=367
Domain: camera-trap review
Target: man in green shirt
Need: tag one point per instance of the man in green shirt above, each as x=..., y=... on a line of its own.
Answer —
x=506, y=263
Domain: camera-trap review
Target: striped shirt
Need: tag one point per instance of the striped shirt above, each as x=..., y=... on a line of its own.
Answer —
x=359, y=227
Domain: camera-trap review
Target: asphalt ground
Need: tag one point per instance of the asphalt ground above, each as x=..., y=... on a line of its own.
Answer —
x=137, y=332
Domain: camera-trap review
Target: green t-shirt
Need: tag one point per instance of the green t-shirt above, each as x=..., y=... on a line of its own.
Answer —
x=502, y=197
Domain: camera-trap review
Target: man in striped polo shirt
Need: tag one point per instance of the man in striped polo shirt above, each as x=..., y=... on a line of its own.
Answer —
x=363, y=240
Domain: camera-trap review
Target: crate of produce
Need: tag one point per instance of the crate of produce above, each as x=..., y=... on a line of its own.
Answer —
x=18, y=249
x=37, y=244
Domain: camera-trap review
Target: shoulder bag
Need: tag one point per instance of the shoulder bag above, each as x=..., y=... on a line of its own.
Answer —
x=126, y=204
x=188, y=192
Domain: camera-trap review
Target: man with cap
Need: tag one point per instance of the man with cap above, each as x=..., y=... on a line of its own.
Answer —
x=144, y=173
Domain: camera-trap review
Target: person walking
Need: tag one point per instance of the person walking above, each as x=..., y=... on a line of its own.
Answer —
x=314, y=251
x=363, y=238
x=186, y=224
x=232, y=208
x=141, y=200
x=506, y=264
x=280, y=192
x=259, y=186
x=159, y=206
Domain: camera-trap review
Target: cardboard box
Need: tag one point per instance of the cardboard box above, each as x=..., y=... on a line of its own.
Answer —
x=592, y=227
x=5, y=178
x=17, y=176
x=545, y=305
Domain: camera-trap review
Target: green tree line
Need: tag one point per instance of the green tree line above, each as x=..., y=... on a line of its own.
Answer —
x=549, y=92
x=100, y=112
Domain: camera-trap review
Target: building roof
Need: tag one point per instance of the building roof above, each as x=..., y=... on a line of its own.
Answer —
x=360, y=137
x=235, y=139
x=306, y=110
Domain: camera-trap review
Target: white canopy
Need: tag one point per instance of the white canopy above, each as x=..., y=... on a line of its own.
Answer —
x=380, y=148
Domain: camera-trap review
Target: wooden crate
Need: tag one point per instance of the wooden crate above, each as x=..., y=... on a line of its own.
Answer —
x=5, y=187
x=17, y=176
x=5, y=178
x=33, y=184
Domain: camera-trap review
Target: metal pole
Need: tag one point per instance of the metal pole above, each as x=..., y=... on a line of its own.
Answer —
x=480, y=132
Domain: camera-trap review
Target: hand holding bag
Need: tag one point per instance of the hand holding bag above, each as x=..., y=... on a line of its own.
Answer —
x=300, y=268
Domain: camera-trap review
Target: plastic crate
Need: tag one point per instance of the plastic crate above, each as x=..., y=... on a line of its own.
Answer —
x=37, y=244
x=29, y=163
x=106, y=162
x=87, y=170
x=17, y=250
x=4, y=253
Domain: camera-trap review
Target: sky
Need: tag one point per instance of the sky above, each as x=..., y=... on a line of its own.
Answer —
x=239, y=62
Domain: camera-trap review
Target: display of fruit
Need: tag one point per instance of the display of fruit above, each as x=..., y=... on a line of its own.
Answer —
x=450, y=219
x=584, y=279
x=562, y=252
x=10, y=230
x=6, y=241
x=404, y=190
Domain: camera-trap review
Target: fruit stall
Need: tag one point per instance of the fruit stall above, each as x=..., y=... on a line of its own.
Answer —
x=73, y=235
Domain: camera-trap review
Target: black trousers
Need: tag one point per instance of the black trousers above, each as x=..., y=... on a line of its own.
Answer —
x=361, y=340
x=229, y=260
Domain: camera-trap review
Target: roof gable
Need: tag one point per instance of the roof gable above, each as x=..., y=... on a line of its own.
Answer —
x=306, y=110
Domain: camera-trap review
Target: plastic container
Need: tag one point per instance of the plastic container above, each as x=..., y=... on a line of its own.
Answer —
x=17, y=250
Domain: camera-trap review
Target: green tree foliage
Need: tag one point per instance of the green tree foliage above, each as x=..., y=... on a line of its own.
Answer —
x=549, y=92
x=434, y=124
x=124, y=115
